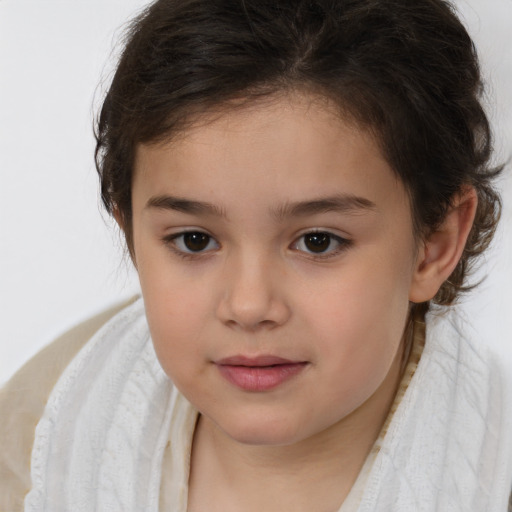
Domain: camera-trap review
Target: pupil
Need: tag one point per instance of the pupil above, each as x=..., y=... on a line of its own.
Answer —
x=317, y=242
x=196, y=241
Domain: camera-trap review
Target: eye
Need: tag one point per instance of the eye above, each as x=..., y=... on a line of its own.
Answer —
x=191, y=242
x=321, y=243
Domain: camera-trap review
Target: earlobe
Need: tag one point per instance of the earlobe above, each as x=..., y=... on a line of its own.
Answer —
x=441, y=251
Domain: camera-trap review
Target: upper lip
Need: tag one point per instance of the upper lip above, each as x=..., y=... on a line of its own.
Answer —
x=262, y=360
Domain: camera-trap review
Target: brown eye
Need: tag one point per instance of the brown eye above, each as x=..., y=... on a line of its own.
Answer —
x=321, y=243
x=196, y=241
x=317, y=242
x=192, y=242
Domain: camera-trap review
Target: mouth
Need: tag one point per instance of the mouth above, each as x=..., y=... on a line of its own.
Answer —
x=261, y=373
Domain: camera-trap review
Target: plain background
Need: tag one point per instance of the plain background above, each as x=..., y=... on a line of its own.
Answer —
x=61, y=259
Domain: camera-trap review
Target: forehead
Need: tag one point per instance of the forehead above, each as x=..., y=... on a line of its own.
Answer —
x=293, y=148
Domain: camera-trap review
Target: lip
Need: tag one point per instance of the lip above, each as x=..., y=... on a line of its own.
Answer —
x=261, y=373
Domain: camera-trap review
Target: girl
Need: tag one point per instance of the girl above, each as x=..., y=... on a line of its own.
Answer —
x=302, y=187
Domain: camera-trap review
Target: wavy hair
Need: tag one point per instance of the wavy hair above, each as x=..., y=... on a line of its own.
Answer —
x=405, y=69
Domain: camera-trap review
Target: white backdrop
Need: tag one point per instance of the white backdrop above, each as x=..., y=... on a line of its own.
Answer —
x=61, y=260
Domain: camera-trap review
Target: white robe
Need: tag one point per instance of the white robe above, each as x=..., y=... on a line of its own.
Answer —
x=100, y=443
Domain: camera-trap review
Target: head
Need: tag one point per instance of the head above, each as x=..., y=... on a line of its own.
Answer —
x=232, y=117
x=409, y=75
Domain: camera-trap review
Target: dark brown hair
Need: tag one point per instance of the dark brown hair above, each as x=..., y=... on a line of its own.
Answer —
x=405, y=69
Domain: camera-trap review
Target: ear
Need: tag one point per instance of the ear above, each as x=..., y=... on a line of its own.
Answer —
x=439, y=254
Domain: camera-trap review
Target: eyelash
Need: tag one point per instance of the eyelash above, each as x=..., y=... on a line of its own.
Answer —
x=171, y=241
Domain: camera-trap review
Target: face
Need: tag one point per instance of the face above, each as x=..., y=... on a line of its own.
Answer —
x=275, y=252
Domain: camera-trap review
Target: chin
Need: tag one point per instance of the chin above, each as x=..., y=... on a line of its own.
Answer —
x=262, y=433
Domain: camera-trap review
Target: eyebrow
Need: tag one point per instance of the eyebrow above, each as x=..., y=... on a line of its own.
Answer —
x=344, y=203
x=183, y=205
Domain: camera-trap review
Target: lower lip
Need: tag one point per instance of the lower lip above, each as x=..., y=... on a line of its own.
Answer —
x=260, y=378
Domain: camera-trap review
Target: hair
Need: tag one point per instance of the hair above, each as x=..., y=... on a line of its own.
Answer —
x=406, y=70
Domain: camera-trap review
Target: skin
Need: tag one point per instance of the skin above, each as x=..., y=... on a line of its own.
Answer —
x=258, y=288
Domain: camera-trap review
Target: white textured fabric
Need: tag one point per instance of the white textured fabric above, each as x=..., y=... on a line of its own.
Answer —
x=100, y=442
x=448, y=447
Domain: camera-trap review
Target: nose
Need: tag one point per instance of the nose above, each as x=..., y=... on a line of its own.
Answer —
x=254, y=295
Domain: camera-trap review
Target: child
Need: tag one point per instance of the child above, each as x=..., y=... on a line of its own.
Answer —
x=303, y=187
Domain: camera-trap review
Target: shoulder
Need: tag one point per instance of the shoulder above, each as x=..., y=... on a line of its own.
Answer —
x=22, y=402
x=457, y=350
x=477, y=392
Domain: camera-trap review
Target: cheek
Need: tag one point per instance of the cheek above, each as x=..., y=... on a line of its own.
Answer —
x=175, y=324
x=359, y=328
x=176, y=310
x=367, y=297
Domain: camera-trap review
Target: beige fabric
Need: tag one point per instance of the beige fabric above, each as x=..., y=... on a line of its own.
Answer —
x=23, y=398
x=22, y=402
